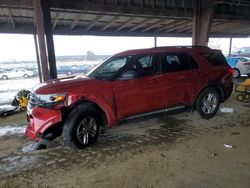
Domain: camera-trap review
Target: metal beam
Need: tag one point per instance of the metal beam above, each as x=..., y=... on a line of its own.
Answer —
x=92, y=24
x=185, y=29
x=11, y=17
x=169, y=26
x=118, y=10
x=139, y=25
x=177, y=27
x=37, y=57
x=76, y=20
x=157, y=23
x=110, y=23
x=128, y=22
x=241, y=29
x=230, y=46
x=65, y=30
x=56, y=20
x=224, y=26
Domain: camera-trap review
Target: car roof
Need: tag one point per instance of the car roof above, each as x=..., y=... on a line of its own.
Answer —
x=166, y=49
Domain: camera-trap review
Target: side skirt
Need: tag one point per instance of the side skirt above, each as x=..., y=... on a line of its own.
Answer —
x=171, y=109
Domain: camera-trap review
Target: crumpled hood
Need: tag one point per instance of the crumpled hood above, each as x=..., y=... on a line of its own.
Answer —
x=63, y=84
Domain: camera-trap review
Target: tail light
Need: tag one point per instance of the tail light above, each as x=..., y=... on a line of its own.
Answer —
x=231, y=71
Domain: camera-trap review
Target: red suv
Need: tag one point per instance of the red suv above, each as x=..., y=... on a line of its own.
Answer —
x=130, y=84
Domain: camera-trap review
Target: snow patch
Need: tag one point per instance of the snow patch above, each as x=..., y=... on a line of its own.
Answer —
x=10, y=130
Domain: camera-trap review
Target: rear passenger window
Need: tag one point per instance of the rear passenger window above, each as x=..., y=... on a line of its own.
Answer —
x=175, y=62
x=215, y=58
x=147, y=65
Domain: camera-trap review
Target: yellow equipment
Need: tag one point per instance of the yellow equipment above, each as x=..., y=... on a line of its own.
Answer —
x=244, y=90
x=23, y=101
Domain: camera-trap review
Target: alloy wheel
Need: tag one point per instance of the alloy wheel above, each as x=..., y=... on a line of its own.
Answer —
x=87, y=130
x=209, y=103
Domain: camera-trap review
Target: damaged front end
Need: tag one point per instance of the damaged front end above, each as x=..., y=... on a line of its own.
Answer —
x=43, y=114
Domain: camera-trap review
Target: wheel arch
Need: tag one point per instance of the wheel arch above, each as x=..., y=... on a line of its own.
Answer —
x=215, y=85
x=108, y=117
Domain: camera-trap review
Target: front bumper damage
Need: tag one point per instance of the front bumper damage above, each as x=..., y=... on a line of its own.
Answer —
x=39, y=120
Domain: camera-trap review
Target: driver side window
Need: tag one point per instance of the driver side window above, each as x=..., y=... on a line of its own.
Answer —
x=114, y=66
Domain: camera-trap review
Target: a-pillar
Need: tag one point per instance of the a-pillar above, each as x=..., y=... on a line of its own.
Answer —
x=45, y=39
x=202, y=18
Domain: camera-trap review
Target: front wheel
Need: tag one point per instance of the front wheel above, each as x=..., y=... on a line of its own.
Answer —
x=82, y=127
x=207, y=103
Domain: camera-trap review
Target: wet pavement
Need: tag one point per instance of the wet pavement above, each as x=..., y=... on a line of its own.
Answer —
x=122, y=141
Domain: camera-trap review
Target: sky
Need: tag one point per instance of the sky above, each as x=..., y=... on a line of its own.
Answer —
x=21, y=46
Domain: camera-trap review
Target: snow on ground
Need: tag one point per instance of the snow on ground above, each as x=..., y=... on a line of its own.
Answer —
x=10, y=130
x=9, y=88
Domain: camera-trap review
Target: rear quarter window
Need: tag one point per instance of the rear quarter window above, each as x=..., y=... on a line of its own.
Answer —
x=215, y=58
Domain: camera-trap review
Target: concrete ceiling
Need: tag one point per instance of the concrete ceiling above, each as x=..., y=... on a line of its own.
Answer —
x=127, y=17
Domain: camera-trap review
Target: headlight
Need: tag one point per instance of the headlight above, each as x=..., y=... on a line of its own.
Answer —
x=48, y=100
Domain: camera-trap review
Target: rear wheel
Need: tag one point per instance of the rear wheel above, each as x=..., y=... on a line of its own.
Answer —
x=4, y=77
x=25, y=75
x=207, y=103
x=236, y=73
x=82, y=127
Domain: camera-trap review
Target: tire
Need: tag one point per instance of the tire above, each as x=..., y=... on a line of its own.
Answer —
x=240, y=97
x=207, y=103
x=82, y=117
x=5, y=77
x=236, y=73
x=25, y=75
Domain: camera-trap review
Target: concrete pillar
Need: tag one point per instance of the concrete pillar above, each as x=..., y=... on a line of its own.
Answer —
x=202, y=18
x=38, y=16
x=45, y=39
x=49, y=38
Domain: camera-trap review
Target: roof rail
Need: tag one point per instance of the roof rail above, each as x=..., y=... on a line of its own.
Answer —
x=183, y=46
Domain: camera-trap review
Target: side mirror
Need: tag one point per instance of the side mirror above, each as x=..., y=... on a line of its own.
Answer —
x=128, y=75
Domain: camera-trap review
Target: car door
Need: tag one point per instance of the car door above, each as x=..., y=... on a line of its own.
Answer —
x=143, y=94
x=181, y=78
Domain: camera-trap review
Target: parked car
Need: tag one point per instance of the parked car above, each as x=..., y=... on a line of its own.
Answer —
x=15, y=73
x=242, y=67
x=129, y=85
x=68, y=70
x=232, y=61
x=242, y=52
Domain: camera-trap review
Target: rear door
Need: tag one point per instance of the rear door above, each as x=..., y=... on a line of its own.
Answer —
x=181, y=78
x=144, y=93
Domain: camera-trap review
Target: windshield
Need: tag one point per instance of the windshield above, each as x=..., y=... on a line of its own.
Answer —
x=108, y=69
